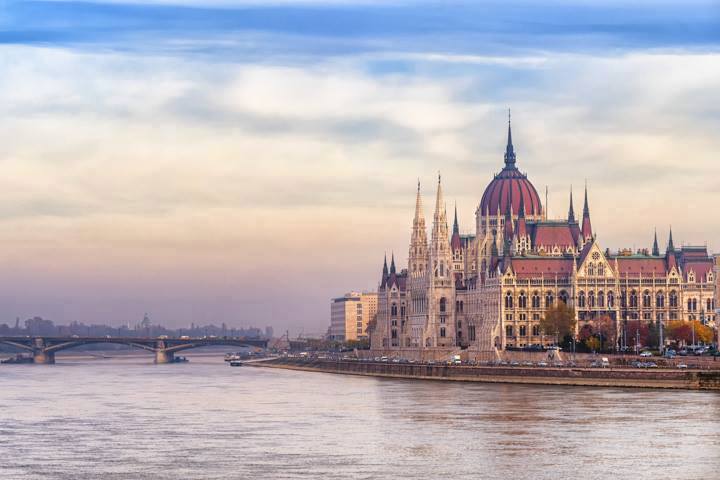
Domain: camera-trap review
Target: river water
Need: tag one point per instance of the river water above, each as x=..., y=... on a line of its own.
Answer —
x=130, y=419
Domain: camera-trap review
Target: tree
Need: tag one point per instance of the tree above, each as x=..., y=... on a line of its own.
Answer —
x=682, y=331
x=593, y=344
x=606, y=331
x=559, y=320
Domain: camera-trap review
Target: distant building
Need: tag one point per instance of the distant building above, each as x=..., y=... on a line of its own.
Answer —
x=351, y=314
x=269, y=332
x=489, y=291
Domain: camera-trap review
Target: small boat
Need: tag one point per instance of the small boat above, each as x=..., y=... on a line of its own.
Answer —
x=230, y=357
x=235, y=363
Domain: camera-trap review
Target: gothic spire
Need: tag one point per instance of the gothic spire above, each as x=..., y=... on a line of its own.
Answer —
x=655, y=250
x=509, y=150
x=456, y=227
x=571, y=210
x=383, y=280
x=392, y=264
x=586, y=227
x=671, y=246
x=418, y=204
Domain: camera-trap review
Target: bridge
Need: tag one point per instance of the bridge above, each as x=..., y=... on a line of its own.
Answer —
x=43, y=349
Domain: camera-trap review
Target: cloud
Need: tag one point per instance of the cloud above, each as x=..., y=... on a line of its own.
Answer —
x=223, y=165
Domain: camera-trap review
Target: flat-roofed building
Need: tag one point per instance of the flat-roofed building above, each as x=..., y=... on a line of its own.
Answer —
x=350, y=315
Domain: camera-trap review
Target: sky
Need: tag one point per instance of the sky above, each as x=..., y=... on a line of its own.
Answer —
x=244, y=161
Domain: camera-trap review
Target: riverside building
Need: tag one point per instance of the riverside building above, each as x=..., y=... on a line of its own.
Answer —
x=488, y=291
x=350, y=315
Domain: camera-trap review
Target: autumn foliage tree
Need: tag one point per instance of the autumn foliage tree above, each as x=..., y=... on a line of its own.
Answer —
x=682, y=331
x=559, y=320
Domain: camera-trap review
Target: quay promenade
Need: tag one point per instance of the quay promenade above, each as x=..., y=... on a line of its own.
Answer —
x=669, y=378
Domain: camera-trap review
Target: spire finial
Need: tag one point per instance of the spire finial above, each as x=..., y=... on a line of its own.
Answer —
x=571, y=210
x=509, y=150
x=456, y=227
x=671, y=246
x=655, y=250
x=392, y=264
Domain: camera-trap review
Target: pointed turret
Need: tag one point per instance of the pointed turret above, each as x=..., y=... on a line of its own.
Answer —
x=656, y=249
x=571, y=210
x=509, y=150
x=586, y=227
x=392, y=264
x=670, y=253
x=455, y=241
x=383, y=280
x=440, y=257
x=417, y=258
x=521, y=226
x=456, y=228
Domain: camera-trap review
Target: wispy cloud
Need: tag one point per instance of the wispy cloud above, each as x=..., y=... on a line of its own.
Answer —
x=236, y=151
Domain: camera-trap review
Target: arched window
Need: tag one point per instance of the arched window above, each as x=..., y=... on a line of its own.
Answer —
x=393, y=310
x=581, y=299
x=601, y=299
x=646, y=299
x=549, y=299
x=660, y=300
x=690, y=304
x=522, y=300
x=673, y=299
x=442, y=269
x=623, y=298
x=591, y=269
x=601, y=270
x=563, y=296
x=591, y=299
x=633, y=299
x=443, y=305
x=694, y=304
x=508, y=331
x=611, y=299
x=508, y=300
x=709, y=308
x=535, y=300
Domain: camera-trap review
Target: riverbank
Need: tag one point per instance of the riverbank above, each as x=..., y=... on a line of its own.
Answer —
x=600, y=377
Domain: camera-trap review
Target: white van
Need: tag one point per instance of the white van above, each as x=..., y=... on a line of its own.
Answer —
x=604, y=362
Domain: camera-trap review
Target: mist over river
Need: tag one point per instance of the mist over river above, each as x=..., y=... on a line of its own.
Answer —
x=129, y=419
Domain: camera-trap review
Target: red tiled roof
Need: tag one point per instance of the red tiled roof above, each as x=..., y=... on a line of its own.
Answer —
x=533, y=267
x=549, y=235
x=701, y=270
x=641, y=265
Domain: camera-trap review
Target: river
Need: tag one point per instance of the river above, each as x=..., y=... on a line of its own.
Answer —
x=130, y=419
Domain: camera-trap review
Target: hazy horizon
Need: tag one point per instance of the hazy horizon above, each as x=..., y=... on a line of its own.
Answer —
x=226, y=161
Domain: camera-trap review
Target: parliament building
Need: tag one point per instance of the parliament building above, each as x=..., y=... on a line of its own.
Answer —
x=486, y=292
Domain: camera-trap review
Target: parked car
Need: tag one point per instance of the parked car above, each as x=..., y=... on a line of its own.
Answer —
x=646, y=354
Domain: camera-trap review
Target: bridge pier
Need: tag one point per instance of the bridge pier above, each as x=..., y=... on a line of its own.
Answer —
x=44, y=358
x=163, y=356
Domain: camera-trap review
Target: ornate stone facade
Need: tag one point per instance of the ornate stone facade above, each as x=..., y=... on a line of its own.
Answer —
x=488, y=291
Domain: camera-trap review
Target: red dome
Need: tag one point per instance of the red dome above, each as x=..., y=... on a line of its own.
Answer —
x=510, y=184
x=498, y=194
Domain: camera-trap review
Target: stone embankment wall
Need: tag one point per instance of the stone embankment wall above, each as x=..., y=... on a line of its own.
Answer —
x=607, y=377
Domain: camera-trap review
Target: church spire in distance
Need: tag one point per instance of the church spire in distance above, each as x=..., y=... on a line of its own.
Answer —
x=509, y=150
x=571, y=211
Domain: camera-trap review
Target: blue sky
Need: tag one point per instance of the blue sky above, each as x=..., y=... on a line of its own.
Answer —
x=234, y=160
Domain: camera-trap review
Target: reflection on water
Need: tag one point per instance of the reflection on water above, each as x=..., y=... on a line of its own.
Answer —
x=129, y=419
